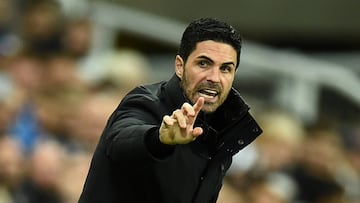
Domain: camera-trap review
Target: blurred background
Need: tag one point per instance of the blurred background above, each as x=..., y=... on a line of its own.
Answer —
x=65, y=65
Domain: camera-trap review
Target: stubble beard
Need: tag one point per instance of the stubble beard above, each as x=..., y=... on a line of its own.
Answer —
x=193, y=94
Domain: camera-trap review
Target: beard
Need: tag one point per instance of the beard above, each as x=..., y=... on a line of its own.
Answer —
x=194, y=94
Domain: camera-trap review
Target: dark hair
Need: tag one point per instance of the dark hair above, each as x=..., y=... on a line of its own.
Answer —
x=208, y=29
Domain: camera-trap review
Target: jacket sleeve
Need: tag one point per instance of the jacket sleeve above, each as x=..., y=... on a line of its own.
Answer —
x=132, y=132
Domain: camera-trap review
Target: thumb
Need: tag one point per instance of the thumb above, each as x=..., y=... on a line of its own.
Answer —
x=197, y=131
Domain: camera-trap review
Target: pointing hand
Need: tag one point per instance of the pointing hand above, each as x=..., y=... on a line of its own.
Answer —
x=179, y=127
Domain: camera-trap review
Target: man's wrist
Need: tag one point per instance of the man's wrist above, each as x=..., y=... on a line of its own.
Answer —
x=156, y=147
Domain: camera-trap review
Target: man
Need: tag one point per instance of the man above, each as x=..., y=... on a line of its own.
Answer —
x=173, y=141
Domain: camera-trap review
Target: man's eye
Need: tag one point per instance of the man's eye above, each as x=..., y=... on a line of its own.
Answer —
x=226, y=68
x=203, y=63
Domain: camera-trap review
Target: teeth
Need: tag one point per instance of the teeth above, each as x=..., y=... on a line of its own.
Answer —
x=208, y=93
x=205, y=95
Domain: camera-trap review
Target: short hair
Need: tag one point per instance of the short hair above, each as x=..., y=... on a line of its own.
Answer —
x=209, y=29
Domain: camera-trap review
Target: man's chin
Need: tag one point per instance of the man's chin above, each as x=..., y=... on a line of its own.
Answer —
x=209, y=107
x=211, y=100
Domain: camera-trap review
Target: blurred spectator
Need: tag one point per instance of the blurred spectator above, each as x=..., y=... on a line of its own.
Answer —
x=76, y=9
x=55, y=110
x=26, y=72
x=41, y=26
x=60, y=74
x=73, y=176
x=12, y=171
x=47, y=162
x=52, y=87
x=119, y=69
x=6, y=106
x=9, y=42
x=25, y=127
x=259, y=188
x=77, y=38
x=5, y=116
x=46, y=90
x=89, y=119
x=26, y=75
x=263, y=170
x=230, y=194
x=352, y=153
x=280, y=144
x=351, y=137
x=316, y=173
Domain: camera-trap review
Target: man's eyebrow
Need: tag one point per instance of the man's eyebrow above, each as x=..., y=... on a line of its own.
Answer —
x=209, y=59
x=229, y=63
x=205, y=57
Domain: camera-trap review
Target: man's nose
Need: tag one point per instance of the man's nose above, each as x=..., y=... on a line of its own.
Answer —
x=213, y=75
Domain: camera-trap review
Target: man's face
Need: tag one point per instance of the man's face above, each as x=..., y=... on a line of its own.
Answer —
x=208, y=72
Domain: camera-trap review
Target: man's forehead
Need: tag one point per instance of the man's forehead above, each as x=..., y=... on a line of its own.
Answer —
x=215, y=51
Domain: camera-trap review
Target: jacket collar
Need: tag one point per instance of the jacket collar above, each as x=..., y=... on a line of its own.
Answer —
x=175, y=93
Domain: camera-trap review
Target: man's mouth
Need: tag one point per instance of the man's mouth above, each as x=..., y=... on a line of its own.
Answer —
x=208, y=93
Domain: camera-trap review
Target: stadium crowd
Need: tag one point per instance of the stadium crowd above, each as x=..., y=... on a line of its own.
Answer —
x=55, y=98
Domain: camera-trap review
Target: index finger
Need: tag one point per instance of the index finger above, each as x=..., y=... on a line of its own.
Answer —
x=198, y=105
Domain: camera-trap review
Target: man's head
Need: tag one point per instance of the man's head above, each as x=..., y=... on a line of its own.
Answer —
x=207, y=61
x=209, y=29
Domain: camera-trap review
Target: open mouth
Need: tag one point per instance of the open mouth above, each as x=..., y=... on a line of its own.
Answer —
x=208, y=93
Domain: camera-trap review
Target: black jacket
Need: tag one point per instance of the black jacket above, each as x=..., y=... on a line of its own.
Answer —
x=130, y=165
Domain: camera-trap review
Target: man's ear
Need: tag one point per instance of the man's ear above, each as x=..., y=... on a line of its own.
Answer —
x=179, y=66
